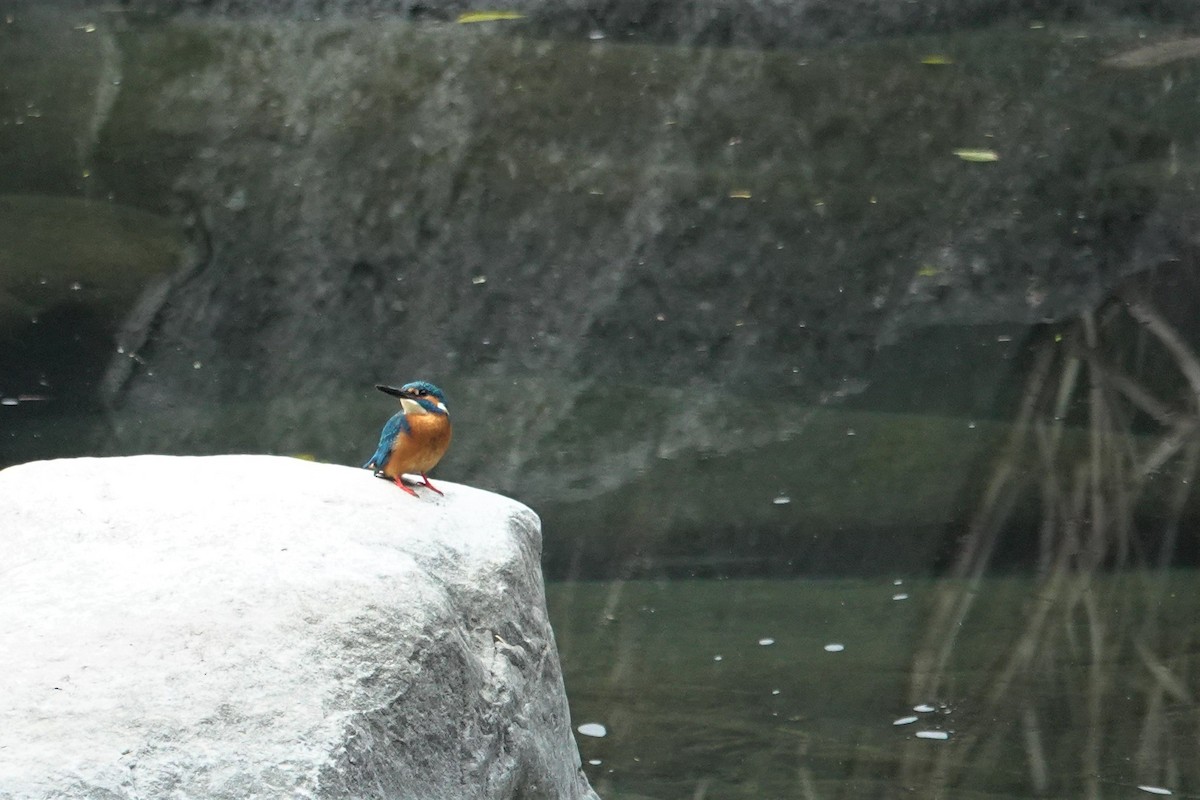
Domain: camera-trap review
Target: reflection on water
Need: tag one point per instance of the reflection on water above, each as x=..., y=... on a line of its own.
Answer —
x=731, y=689
x=1074, y=678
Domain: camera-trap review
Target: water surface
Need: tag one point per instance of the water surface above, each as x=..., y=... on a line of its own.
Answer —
x=759, y=689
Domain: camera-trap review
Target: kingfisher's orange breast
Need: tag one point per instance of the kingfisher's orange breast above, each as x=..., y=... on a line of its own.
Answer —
x=422, y=447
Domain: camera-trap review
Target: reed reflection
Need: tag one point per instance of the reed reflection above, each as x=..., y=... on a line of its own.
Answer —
x=1088, y=681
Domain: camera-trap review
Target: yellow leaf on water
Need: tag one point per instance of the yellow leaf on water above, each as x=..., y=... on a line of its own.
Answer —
x=488, y=16
x=967, y=154
x=937, y=59
x=740, y=194
x=927, y=271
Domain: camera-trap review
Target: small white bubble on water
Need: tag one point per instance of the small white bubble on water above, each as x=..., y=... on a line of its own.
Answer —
x=595, y=762
x=766, y=642
x=593, y=729
x=933, y=735
x=906, y=721
x=834, y=648
x=1155, y=789
x=924, y=708
x=718, y=658
x=900, y=596
x=782, y=500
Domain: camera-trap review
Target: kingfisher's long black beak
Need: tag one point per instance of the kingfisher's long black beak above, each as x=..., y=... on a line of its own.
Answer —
x=392, y=390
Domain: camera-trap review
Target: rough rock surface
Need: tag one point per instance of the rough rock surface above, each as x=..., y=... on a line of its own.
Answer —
x=254, y=626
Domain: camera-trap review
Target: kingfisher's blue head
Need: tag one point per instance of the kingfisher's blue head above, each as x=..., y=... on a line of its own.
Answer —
x=418, y=397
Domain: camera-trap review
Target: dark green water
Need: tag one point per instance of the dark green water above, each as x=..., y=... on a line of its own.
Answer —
x=732, y=689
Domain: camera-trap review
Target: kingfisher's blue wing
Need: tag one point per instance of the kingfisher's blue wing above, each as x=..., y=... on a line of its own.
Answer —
x=395, y=426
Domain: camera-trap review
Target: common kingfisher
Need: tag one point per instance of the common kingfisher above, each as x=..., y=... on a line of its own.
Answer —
x=415, y=438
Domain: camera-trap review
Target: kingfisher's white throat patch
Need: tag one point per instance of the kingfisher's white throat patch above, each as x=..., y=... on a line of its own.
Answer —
x=411, y=406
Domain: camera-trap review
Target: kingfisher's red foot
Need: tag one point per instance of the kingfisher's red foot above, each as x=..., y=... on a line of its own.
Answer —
x=399, y=481
x=425, y=478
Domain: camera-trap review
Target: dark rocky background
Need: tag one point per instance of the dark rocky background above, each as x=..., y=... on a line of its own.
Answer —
x=751, y=23
x=707, y=284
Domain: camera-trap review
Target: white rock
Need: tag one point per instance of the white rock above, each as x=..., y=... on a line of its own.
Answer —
x=254, y=626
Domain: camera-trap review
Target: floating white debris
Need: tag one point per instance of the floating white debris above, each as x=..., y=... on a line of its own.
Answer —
x=595, y=762
x=718, y=658
x=782, y=500
x=766, y=642
x=8, y=401
x=479, y=280
x=774, y=691
x=933, y=735
x=593, y=729
x=237, y=200
x=924, y=708
x=901, y=596
x=906, y=721
x=1155, y=789
x=897, y=582
x=834, y=648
